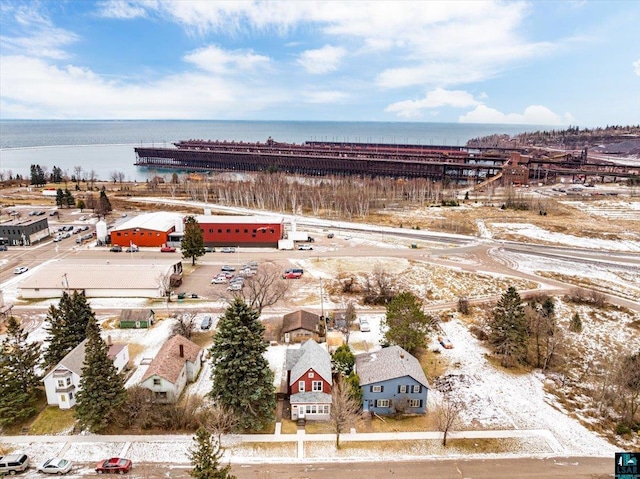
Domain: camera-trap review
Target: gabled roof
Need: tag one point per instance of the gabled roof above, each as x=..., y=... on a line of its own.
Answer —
x=74, y=360
x=309, y=356
x=136, y=314
x=168, y=364
x=388, y=363
x=300, y=319
x=310, y=397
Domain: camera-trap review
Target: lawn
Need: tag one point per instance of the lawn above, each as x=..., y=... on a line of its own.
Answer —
x=53, y=420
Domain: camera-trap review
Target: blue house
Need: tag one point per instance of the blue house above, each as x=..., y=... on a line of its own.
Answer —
x=392, y=381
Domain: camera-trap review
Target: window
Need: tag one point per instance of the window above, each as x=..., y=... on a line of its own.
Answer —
x=228, y=230
x=70, y=395
x=317, y=386
x=416, y=388
x=301, y=386
x=246, y=230
x=402, y=388
x=156, y=381
x=68, y=381
x=311, y=374
x=161, y=394
x=377, y=389
x=237, y=230
x=60, y=383
x=382, y=403
x=219, y=230
x=415, y=402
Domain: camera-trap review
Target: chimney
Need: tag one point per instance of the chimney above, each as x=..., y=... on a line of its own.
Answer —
x=181, y=350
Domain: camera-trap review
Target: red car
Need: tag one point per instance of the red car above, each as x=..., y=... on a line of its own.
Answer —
x=292, y=275
x=114, y=464
x=168, y=249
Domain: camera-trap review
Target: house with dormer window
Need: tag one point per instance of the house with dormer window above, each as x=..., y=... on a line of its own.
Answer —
x=309, y=381
x=392, y=381
x=62, y=383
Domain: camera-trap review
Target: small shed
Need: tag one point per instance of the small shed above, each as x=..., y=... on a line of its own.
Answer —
x=136, y=318
x=299, y=326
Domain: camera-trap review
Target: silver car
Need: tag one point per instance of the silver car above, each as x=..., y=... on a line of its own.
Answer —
x=55, y=465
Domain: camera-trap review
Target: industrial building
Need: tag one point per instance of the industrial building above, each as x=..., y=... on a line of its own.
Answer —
x=24, y=232
x=148, y=229
x=114, y=278
x=241, y=230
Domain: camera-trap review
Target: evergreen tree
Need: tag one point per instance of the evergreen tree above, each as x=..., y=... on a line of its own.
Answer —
x=68, y=199
x=242, y=380
x=67, y=326
x=406, y=324
x=508, y=327
x=104, y=205
x=101, y=391
x=205, y=458
x=343, y=360
x=192, y=244
x=576, y=323
x=19, y=379
x=59, y=197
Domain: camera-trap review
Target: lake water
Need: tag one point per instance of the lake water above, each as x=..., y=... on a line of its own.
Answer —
x=107, y=146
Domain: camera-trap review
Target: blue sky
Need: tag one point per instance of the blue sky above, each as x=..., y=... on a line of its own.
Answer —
x=539, y=62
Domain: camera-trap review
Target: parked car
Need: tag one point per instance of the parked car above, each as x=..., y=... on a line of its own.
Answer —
x=167, y=249
x=57, y=238
x=220, y=279
x=330, y=235
x=305, y=247
x=234, y=286
x=364, y=326
x=20, y=270
x=3, y=247
x=209, y=249
x=206, y=322
x=55, y=465
x=132, y=249
x=114, y=464
x=445, y=342
x=116, y=249
x=228, y=250
x=294, y=270
x=292, y=275
x=12, y=463
x=227, y=267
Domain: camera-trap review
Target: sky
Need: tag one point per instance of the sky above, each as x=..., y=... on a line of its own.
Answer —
x=549, y=62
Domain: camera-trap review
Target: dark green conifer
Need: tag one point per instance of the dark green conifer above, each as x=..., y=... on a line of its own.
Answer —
x=101, y=387
x=509, y=328
x=192, y=244
x=205, y=458
x=242, y=380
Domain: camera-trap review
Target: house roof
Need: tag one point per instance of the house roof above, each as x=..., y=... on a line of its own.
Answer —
x=74, y=359
x=388, y=363
x=310, y=397
x=309, y=356
x=168, y=364
x=162, y=221
x=300, y=319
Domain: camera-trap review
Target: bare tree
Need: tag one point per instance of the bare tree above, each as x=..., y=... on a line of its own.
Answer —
x=265, y=288
x=344, y=408
x=77, y=170
x=185, y=324
x=349, y=317
x=219, y=420
x=447, y=415
x=92, y=178
x=164, y=285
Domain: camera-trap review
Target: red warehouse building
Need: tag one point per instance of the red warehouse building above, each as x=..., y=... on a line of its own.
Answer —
x=241, y=230
x=149, y=229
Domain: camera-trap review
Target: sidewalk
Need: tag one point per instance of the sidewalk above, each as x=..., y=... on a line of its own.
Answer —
x=289, y=447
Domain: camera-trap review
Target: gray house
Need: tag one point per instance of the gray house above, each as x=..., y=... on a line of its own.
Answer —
x=392, y=381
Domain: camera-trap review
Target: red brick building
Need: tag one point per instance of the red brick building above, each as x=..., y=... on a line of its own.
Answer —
x=149, y=229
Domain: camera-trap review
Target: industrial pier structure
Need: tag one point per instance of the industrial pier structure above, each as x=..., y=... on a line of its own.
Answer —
x=460, y=165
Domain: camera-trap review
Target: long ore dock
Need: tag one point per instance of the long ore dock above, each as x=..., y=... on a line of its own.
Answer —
x=461, y=165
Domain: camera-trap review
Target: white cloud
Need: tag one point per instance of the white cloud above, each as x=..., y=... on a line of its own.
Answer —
x=37, y=37
x=636, y=67
x=322, y=60
x=121, y=9
x=533, y=115
x=217, y=60
x=434, y=99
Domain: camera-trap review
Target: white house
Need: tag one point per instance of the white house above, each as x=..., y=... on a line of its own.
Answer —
x=62, y=383
x=178, y=362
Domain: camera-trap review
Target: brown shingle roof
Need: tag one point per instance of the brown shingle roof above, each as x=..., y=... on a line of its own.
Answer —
x=168, y=364
x=300, y=319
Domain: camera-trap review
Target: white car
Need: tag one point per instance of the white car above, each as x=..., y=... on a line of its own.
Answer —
x=20, y=270
x=364, y=326
x=219, y=279
x=305, y=247
x=56, y=465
